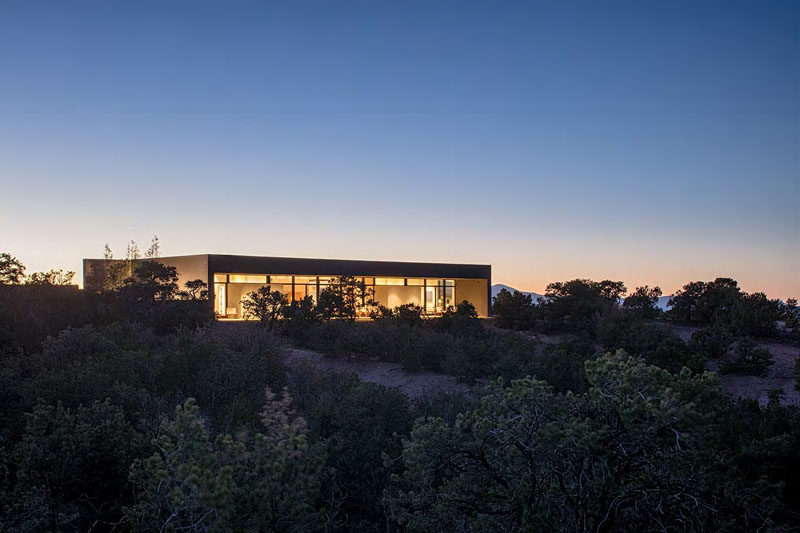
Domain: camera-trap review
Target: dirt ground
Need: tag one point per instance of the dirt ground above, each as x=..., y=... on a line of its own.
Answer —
x=780, y=375
x=414, y=385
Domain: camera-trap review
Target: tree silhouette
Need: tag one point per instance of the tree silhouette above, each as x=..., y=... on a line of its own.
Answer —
x=12, y=271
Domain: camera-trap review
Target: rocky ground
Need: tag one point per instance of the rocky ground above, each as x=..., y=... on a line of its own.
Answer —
x=414, y=385
x=780, y=375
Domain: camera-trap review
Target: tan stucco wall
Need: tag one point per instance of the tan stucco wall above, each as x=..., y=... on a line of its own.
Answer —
x=190, y=267
x=476, y=292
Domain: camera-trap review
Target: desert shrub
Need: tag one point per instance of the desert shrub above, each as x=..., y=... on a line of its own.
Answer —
x=471, y=352
x=721, y=302
x=298, y=318
x=512, y=311
x=225, y=368
x=637, y=451
x=428, y=350
x=366, y=423
x=408, y=314
x=797, y=373
x=461, y=320
x=614, y=326
x=265, y=482
x=747, y=358
x=78, y=367
x=574, y=305
x=172, y=315
x=619, y=329
x=712, y=342
x=562, y=365
x=70, y=468
x=791, y=317
x=644, y=302
x=31, y=313
x=754, y=314
x=144, y=373
x=357, y=424
x=444, y=405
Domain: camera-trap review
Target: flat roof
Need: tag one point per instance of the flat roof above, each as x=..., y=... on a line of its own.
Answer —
x=349, y=267
x=250, y=264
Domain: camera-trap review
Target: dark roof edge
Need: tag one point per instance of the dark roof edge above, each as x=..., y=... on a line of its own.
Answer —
x=348, y=260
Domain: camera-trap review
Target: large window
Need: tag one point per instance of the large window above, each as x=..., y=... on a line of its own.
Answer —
x=433, y=295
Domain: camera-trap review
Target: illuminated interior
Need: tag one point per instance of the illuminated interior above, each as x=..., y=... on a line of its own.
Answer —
x=433, y=295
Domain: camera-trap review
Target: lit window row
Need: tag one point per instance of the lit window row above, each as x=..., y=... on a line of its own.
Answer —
x=324, y=280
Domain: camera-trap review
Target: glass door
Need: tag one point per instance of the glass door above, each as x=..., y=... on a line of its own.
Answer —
x=430, y=300
x=221, y=298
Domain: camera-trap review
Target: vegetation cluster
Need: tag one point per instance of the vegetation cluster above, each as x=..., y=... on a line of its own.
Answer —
x=124, y=411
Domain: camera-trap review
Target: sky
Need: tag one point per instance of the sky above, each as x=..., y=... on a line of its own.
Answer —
x=652, y=142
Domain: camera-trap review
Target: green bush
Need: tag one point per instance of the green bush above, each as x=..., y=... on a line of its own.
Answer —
x=747, y=358
x=620, y=329
x=265, y=482
x=712, y=342
x=31, y=313
x=721, y=302
x=797, y=373
x=70, y=468
x=637, y=451
x=512, y=311
x=357, y=424
x=470, y=352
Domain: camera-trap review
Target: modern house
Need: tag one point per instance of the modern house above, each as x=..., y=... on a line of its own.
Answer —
x=432, y=286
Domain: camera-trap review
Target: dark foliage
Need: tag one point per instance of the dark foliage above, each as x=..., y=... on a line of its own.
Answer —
x=644, y=302
x=31, y=313
x=513, y=311
x=90, y=438
x=722, y=303
x=575, y=305
x=455, y=343
x=623, y=329
x=746, y=358
x=712, y=342
x=797, y=373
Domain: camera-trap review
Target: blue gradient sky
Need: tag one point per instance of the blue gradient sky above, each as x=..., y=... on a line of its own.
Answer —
x=653, y=142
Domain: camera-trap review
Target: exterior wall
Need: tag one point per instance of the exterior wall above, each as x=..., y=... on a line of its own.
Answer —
x=476, y=292
x=190, y=267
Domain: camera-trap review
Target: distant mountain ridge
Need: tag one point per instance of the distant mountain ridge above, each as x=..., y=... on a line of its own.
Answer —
x=662, y=301
x=499, y=287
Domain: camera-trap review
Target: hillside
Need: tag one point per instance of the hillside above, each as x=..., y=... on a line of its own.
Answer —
x=496, y=288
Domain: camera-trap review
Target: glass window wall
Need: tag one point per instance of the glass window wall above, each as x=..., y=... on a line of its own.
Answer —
x=433, y=295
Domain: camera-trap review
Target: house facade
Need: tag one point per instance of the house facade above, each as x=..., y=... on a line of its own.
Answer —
x=432, y=286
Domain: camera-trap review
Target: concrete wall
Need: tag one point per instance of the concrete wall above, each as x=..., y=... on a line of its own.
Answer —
x=476, y=292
